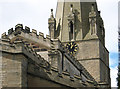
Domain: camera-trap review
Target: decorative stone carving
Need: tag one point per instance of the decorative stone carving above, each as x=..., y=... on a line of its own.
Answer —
x=52, y=25
x=71, y=26
x=92, y=21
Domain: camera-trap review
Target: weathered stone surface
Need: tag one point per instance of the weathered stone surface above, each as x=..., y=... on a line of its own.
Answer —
x=13, y=75
x=53, y=65
x=88, y=30
x=10, y=31
x=27, y=29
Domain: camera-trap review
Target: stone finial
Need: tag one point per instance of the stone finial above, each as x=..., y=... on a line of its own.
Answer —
x=52, y=25
x=92, y=8
x=92, y=12
x=51, y=19
x=71, y=8
x=71, y=15
x=52, y=16
x=99, y=12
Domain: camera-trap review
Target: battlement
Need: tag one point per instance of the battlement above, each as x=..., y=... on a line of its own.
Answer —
x=26, y=34
x=54, y=47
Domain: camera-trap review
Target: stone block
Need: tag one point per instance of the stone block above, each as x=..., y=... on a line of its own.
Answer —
x=27, y=29
x=10, y=31
x=4, y=35
x=19, y=27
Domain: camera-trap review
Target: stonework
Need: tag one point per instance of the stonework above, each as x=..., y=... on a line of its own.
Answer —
x=31, y=60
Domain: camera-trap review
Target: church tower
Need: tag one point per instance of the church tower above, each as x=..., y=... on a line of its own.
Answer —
x=79, y=22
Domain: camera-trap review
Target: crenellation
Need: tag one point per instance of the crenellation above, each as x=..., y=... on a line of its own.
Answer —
x=4, y=35
x=25, y=33
x=41, y=36
x=27, y=29
x=19, y=27
x=10, y=31
x=48, y=37
x=34, y=32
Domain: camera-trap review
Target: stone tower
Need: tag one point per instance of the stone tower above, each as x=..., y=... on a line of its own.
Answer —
x=80, y=22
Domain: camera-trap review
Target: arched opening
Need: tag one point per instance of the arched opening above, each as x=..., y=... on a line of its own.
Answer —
x=71, y=27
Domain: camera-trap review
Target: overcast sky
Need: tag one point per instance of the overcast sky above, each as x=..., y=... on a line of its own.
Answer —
x=35, y=14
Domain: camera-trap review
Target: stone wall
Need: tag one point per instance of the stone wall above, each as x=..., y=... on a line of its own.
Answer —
x=93, y=55
x=34, y=81
x=20, y=62
x=93, y=67
x=88, y=49
x=14, y=70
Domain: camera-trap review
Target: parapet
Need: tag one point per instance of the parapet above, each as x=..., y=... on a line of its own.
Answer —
x=26, y=34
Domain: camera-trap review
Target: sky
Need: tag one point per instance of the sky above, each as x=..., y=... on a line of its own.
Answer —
x=35, y=14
